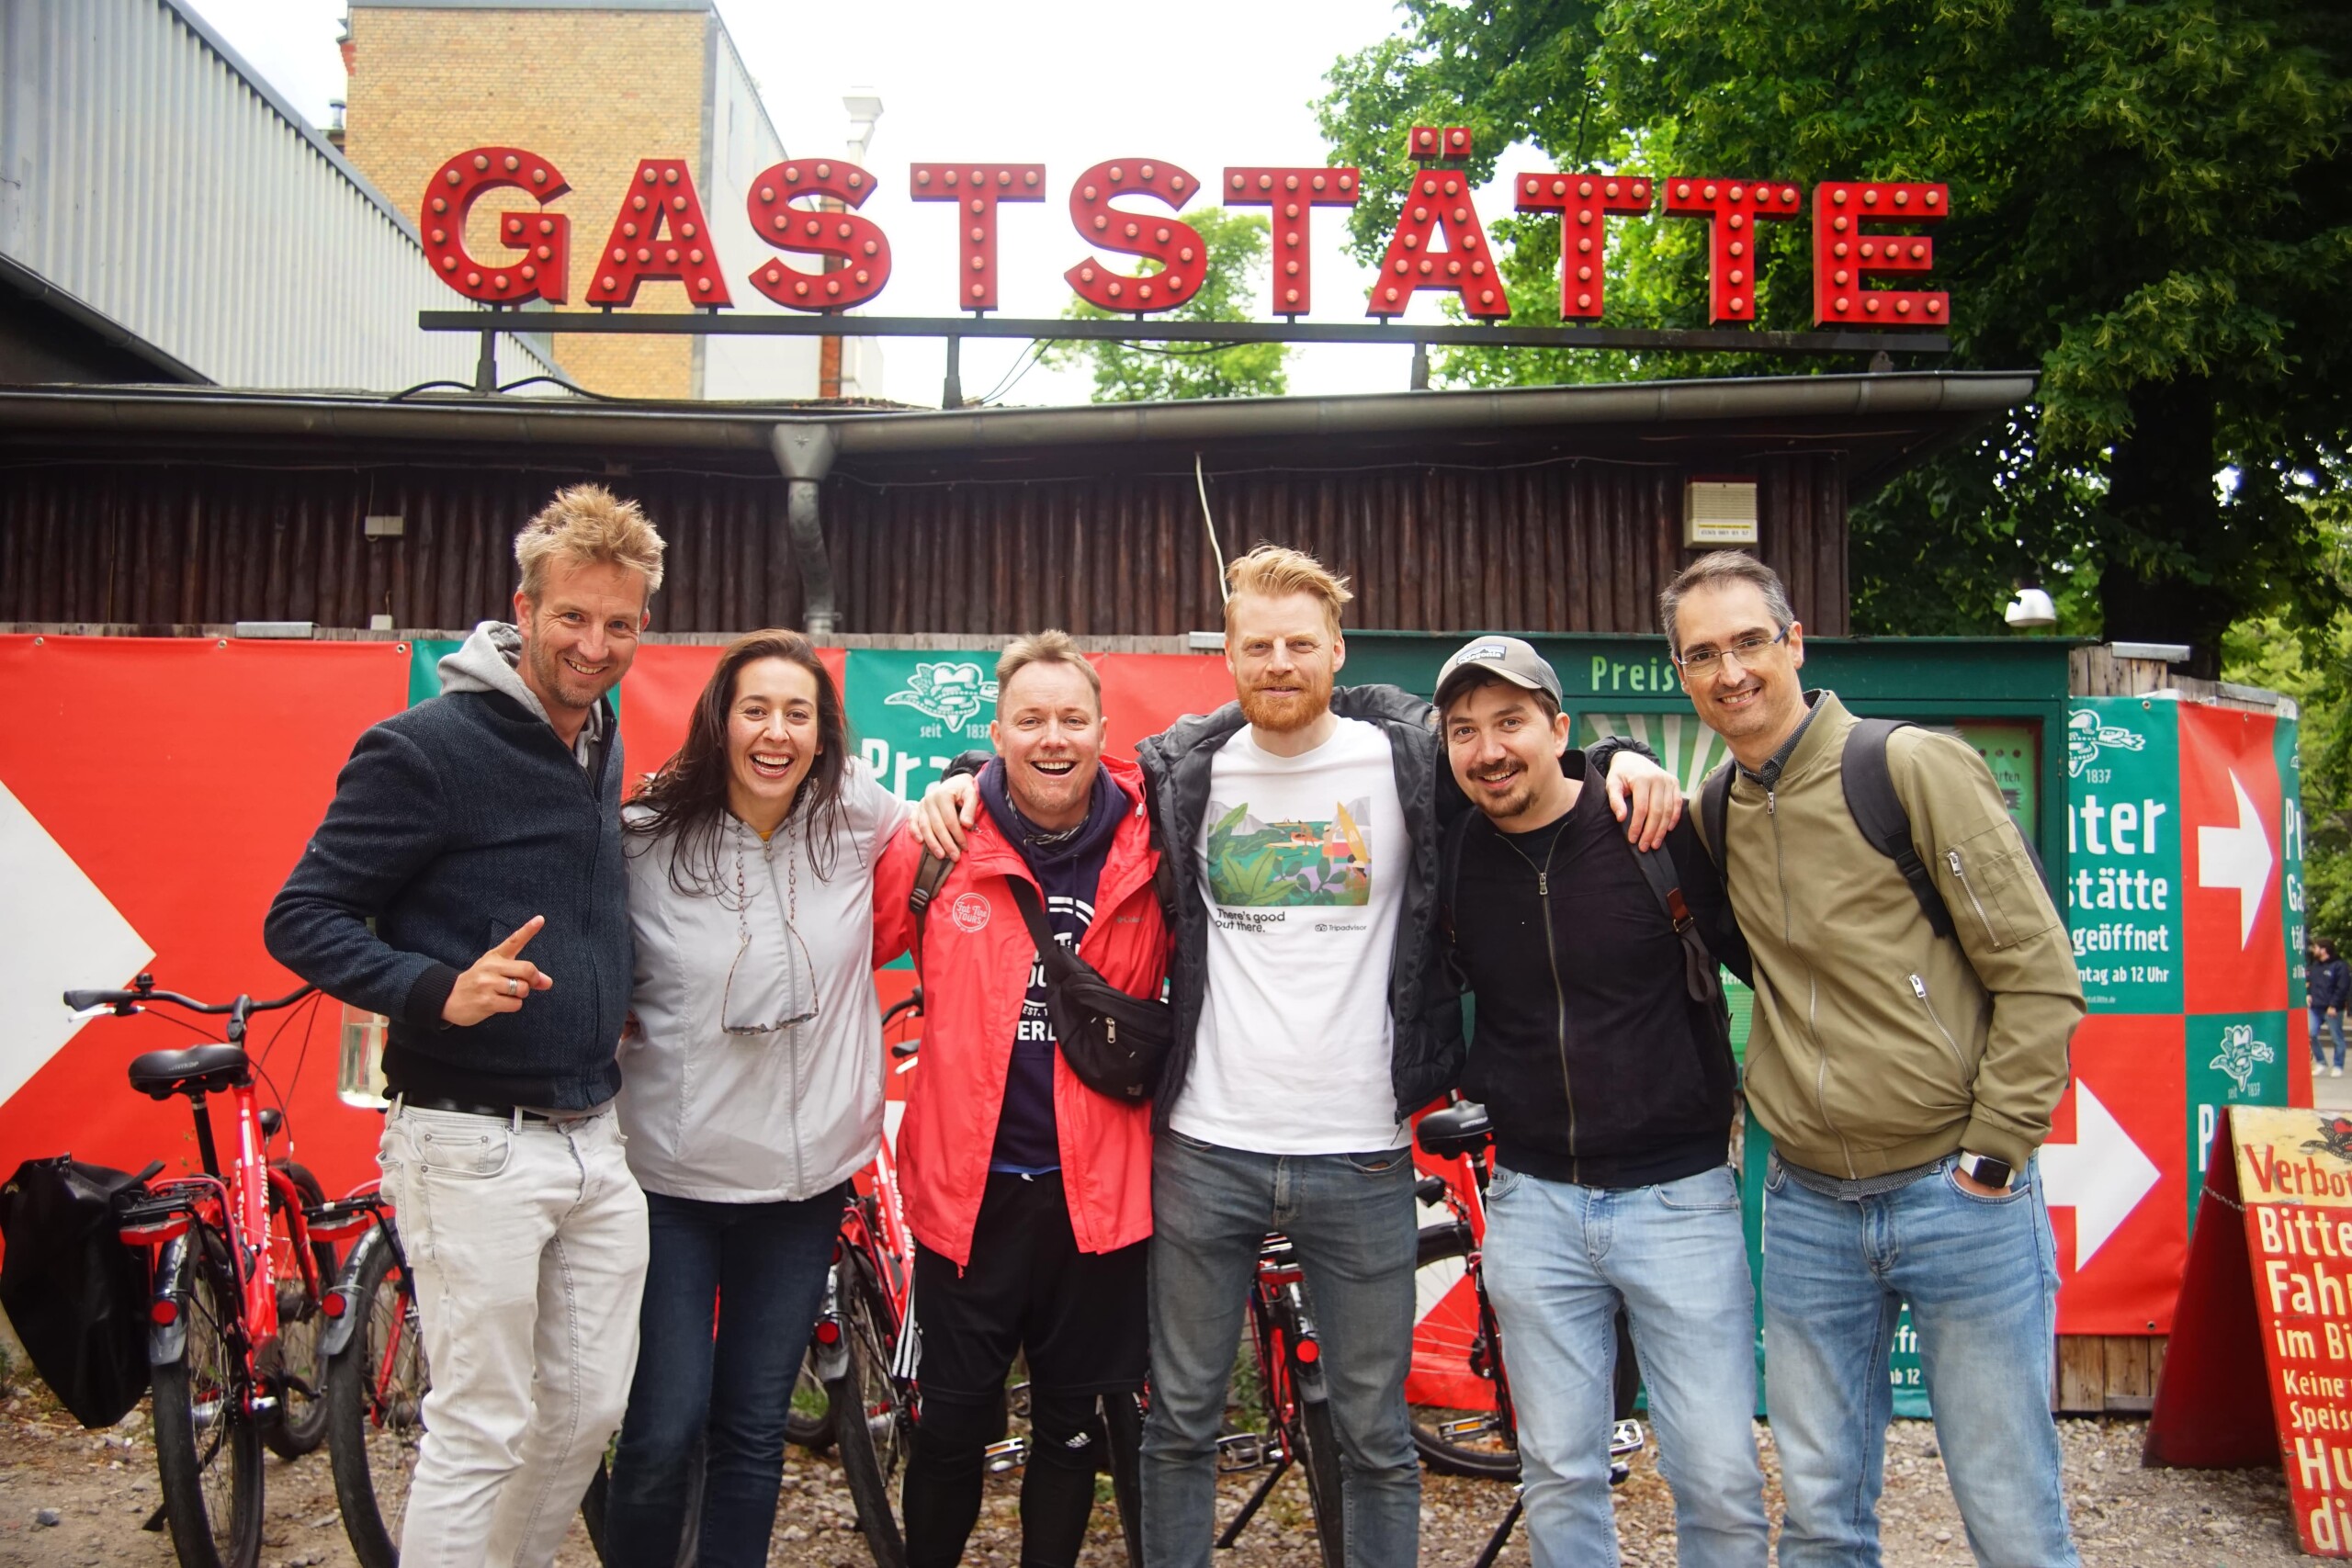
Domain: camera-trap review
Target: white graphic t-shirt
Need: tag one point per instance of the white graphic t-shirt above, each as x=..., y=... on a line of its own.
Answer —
x=1299, y=859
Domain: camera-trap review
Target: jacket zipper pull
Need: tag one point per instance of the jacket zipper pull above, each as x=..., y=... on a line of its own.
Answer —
x=1769, y=797
x=1543, y=885
x=1919, y=988
x=1953, y=856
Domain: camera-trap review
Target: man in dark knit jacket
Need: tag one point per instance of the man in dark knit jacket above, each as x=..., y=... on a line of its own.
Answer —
x=1610, y=1088
x=466, y=883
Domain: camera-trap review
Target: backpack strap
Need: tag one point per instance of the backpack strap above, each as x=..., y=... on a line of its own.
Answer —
x=1700, y=976
x=1878, y=811
x=929, y=871
x=1714, y=810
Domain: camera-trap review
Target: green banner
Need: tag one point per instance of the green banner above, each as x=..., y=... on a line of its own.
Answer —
x=2233, y=1059
x=914, y=711
x=2123, y=893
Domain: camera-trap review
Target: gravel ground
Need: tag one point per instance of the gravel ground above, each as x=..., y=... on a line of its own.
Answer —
x=99, y=1488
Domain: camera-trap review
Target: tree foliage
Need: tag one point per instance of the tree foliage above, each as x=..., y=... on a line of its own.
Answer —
x=1128, y=373
x=2152, y=205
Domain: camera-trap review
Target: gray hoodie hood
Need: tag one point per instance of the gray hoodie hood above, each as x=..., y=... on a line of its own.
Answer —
x=489, y=660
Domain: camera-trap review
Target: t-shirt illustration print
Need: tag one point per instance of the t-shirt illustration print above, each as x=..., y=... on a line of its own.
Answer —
x=1260, y=865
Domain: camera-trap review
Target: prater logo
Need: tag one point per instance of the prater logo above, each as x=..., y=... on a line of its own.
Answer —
x=952, y=692
x=2086, y=737
x=2241, y=1052
x=970, y=912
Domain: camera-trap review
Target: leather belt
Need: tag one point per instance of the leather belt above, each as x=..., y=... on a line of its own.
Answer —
x=473, y=1108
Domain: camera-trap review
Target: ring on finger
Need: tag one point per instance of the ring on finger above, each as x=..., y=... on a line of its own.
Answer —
x=514, y=986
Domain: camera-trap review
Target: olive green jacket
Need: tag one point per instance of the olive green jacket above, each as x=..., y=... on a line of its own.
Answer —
x=1878, y=1046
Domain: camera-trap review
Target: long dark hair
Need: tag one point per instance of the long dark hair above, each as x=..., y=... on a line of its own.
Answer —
x=687, y=798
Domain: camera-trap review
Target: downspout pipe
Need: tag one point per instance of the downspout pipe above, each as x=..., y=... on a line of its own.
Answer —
x=804, y=451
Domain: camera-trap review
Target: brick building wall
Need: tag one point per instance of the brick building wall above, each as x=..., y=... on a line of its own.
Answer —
x=593, y=90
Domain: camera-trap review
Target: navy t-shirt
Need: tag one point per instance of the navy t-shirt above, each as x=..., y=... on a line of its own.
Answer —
x=1068, y=868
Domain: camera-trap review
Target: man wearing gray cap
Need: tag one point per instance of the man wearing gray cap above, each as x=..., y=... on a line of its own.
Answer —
x=1610, y=1086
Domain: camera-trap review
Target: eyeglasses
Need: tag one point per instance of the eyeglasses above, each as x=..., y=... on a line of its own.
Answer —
x=779, y=989
x=1705, y=661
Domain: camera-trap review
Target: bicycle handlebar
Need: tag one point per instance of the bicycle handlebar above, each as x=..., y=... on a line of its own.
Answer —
x=81, y=1001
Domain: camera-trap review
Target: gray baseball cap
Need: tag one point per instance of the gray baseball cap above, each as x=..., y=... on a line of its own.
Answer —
x=1511, y=658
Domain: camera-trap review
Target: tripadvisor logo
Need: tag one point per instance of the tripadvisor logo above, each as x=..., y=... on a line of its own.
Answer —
x=953, y=692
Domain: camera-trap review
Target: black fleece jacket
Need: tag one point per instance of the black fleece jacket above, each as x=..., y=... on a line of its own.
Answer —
x=1592, y=1060
x=452, y=824
x=1424, y=1009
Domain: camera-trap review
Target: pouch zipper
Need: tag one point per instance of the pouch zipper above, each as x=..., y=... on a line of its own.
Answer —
x=1959, y=874
x=1919, y=989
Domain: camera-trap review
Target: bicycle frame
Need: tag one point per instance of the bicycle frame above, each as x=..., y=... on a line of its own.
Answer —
x=1467, y=1200
x=1277, y=1296
x=235, y=1205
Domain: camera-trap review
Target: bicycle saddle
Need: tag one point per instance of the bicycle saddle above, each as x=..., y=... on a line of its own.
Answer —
x=1455, y=1131
x=196, y=1070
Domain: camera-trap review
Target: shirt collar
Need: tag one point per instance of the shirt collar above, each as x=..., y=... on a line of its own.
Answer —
x=1768, y=775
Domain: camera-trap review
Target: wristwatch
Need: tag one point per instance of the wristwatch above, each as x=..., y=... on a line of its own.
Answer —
x=1985, y=1169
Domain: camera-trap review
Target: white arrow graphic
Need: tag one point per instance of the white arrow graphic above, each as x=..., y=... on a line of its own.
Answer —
x=57, y=931
x=2237, y=857
x=2101, y=1175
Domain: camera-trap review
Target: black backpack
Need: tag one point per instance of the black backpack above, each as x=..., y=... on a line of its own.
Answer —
x=75, y=1294
x=1870, y=796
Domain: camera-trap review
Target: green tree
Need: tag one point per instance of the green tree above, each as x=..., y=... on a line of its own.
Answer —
x=2315, y=669
x=1132, y=373
x=2151, y=204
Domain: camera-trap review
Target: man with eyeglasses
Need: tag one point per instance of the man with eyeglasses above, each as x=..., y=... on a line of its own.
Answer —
x=1906, y=1077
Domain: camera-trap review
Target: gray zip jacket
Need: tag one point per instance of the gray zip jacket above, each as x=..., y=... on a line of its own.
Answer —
x=792, y=1112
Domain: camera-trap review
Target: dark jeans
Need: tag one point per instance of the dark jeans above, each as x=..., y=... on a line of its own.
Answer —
x=1353, y=1222
x=757, y=1270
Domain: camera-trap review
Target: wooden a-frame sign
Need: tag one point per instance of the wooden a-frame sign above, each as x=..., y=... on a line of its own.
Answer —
x=2259, y=1368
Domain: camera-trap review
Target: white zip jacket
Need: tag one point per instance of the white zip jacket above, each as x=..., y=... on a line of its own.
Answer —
x=781, y=1115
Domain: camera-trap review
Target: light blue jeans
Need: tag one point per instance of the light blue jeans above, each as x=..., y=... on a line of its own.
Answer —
x=1352, y=1221
x=1558, y=1259
x=1981, y=1276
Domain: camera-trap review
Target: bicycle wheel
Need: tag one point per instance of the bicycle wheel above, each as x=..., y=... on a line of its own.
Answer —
x=871, y=1422
x=1450, y=1392
x=375, y=1390
x=207, y=1448
x=597, y=1499
x=1314, y=1441
x=301, y=1423
x=809, y=1423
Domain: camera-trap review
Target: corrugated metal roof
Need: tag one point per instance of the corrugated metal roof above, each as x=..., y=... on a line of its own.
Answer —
x=154, y=176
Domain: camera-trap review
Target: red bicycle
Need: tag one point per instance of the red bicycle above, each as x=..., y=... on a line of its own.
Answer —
x=240, y=1294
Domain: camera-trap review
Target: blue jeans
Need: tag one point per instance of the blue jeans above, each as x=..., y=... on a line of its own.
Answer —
x=1981, y=1276
x=758, y=1270
x=2325, y=1020
x=1558, y=1259
x=1352, y=1220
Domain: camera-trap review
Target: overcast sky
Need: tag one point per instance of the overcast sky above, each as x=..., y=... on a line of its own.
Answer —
x=1202, y=85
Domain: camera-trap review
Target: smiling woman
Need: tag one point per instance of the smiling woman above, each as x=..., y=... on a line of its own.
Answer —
x=751, y=1081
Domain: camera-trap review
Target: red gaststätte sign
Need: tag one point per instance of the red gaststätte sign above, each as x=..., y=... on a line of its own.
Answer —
x=1127, y=207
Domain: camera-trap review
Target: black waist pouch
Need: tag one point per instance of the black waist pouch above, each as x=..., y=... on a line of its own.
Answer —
x=1115, y=1043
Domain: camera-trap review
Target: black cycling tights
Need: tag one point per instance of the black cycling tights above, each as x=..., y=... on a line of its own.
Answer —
x=941, y=1497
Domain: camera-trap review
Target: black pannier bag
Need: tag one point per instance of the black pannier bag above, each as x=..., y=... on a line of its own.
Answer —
x=75, y=1294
